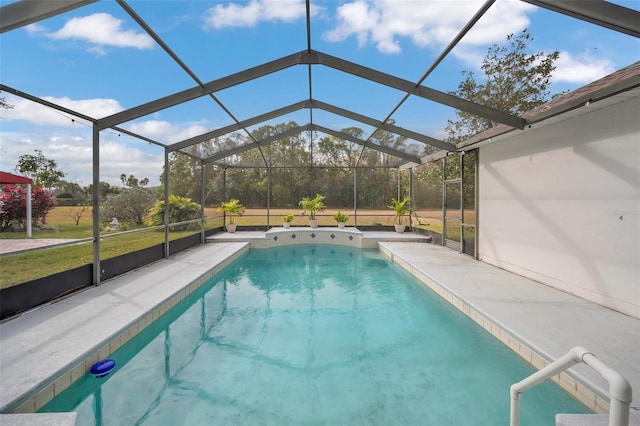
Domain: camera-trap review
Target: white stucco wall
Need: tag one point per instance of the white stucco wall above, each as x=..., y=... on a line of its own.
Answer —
x=561, y=204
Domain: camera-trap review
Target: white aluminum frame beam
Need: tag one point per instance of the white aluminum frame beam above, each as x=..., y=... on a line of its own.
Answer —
x=598, y=12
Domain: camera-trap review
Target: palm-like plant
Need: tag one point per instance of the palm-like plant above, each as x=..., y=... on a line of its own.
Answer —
x=231, y=208
x=400, y=207
x=313, y=205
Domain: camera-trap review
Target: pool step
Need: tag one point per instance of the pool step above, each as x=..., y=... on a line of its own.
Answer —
x=592, y=419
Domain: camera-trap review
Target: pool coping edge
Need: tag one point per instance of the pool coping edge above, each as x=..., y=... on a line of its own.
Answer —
x=592, y=398
x=38, y=396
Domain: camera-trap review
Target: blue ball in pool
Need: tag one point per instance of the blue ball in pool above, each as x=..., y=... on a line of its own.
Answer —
x=102, y=368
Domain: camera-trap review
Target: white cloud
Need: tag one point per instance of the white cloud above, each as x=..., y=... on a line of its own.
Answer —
x=69, y=143
x=165, y=132
x=117, y=158
x=580, y=69
x=386, y=22
x=73, y=154
x=98, y=50
x=503, y=18
x=34, y=28
x=102, y=29
x=249, y=14
x=41, y=115
x=357, y=18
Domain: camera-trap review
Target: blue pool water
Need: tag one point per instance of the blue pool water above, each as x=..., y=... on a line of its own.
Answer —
x=312, y=335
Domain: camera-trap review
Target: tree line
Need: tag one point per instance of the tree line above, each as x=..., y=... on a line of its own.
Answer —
x=285, y=171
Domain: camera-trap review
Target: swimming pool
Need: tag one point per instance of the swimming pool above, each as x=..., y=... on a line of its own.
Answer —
x=312, y=335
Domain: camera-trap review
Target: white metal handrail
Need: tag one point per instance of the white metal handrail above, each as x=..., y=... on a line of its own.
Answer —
x=620, y=392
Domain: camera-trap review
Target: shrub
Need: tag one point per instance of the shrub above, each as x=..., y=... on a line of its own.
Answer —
x=131, y=205
x=67, y=199
x=287, y=217
x=340, y=217
x=13, y=207
x=180, y=209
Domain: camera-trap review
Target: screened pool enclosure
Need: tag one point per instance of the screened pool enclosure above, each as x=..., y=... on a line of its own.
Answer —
x=351, y=147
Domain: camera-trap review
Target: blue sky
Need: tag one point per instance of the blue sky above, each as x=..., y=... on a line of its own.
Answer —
x=98, y=61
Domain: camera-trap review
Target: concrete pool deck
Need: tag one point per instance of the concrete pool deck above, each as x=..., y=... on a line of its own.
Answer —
x=43, y=351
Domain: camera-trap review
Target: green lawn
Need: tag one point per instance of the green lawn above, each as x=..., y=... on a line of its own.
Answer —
x=25, y=266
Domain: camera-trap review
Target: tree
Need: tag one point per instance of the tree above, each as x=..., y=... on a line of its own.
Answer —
x=72, y=194
x=133, y=182
x=4, y=104
x=339, y=152
x=42, y=170
x=76, y=213
x=130, y=205
x=184, y=175
x=104, y=190
x=514, y=81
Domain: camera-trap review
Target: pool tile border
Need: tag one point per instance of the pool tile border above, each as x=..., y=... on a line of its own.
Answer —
x=572, y=386
x=58, y=384
x=61, y=383
x=348, y=236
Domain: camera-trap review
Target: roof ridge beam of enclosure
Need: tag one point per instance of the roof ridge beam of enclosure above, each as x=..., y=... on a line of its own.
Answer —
x=317, y=105
x=299, y=129
x=306, y=58
x=413, y=89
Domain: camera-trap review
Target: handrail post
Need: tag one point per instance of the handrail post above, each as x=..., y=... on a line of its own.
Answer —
x=515, y=408
x=619, y=388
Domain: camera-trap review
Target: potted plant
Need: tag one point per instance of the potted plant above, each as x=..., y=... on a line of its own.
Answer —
x=341, y=218
x=286, y=220
x=401, y=209
x=231, y=208
x=313, y=206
